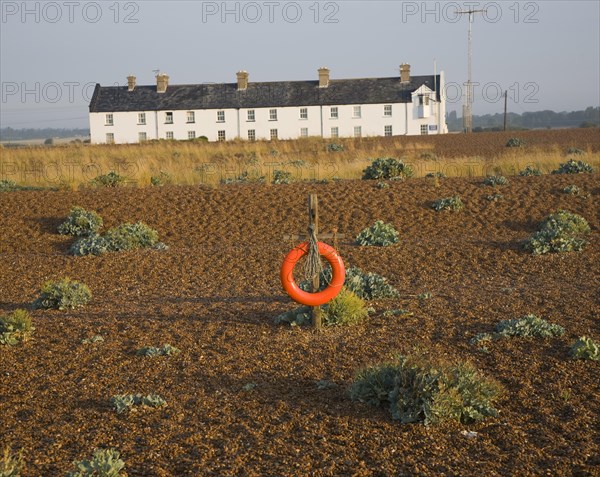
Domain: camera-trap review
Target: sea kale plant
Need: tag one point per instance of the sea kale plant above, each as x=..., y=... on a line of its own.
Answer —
x=585, y=348
x=448, y=203
x=574, y=167
x=116, y=239
x=125, y=402
x=530, y=171
x=104, y=463
x=379, y=234
x=15, y=328
x=81, y=223
x=559, y=232
x=418, y=389
x=63, y=294
x=387, y=168
x=495, y=181
x=366, y=285
x=152, y=351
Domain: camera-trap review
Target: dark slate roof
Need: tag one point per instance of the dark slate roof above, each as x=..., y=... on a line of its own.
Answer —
x=258, y=95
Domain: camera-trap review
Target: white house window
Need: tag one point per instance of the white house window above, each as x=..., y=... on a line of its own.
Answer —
x=142, y=136
x=191, y=117
x=273, y=134
x=220, y=116
x=335, y=132
x=221, y=136
x=424, y=129
x=387, y=110
x=356, y=112
x=303, y=132
x=251, y=115
x=303, y=113
x=272, y=114
x=333, y=112
x=142, y=118
x=251, y=134
x=357, y=131
x=191, y=134
x=168, y=118
x=387, y=130
x=169, y=134
x=110, y=119
x=110, y=138
x=423, y=100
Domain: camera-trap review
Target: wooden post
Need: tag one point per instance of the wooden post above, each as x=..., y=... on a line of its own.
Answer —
x=313, y=222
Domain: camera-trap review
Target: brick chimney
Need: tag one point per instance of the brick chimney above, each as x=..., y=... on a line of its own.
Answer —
x=323, y=77
x=162, y=82
x=242, y=80
x=405, y=73
x=131, y=83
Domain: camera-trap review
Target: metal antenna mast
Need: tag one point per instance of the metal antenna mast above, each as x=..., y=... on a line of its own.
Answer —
x=467, y=107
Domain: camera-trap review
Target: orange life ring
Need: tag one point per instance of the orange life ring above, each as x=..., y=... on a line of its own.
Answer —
x=319, y=298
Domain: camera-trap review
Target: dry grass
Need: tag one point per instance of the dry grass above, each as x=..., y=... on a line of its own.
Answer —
x=190, y=163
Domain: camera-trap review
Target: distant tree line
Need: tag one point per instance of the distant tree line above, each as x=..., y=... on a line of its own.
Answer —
x=589, y=117
x=10, y=134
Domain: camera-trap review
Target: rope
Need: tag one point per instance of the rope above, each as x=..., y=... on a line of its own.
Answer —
x=313, y=266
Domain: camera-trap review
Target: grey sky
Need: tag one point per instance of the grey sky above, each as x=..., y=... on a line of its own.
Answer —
x=546, y=53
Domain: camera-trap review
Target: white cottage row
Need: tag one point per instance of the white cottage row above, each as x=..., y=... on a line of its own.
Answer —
x=327, y=108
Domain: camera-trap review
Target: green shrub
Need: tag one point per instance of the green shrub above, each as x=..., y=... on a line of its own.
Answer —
x=516, y=142
x=379, y=234
x=495, y=197
x=244, y=178
x=91, y=245
x=575, y=151
x=105, y=463
x=62, y=295
x=15, y=327
x=416, y=389
x=585, y=348
x=122, y=237
x=448, y=203
x=382, y=185
x=345, y=309
x=530, y=171
x=365, y=285
x=387, y=168
x=282, y=177
x=528, y=326
x=112, y=179
x=572, y=190
x=299, y=316
x=335, y=147
x=7, y=185
x=439, y=175
x=163, y=178
x=11, y=465
x=574, y=167
x=152, y=351
x=130, y=236
x=428, y=156
x=81, y=222
x=125, y=402
x=559, y=232
x=495, y=181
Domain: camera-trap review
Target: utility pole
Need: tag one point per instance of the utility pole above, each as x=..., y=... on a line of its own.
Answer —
x=505, y=109
x=467, y=107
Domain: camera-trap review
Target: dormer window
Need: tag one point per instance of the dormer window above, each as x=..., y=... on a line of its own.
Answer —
x=423, y=100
